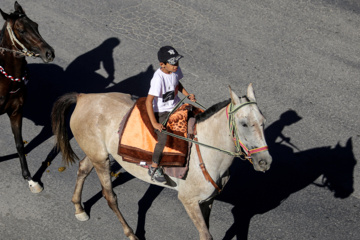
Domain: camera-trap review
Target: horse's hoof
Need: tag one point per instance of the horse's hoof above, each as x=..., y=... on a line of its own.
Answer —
x=35, y=187
x=133, y=237
x=82, y=216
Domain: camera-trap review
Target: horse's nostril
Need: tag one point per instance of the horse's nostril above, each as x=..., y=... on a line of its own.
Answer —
x=49, y=55
x=262, y=163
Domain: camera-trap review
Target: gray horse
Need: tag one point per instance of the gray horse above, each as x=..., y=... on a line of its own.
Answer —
x=95, y=122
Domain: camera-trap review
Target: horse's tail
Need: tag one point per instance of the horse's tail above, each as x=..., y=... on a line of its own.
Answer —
x=58, y=121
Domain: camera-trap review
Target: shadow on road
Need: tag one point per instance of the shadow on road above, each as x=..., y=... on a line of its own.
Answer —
x=290, y=172
x=92, y=72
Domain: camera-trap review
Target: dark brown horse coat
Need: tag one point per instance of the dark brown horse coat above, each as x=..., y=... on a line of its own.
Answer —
x=19, y=38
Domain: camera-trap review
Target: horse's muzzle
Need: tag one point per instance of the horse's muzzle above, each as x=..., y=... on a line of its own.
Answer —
x=48, y=56
x=263, y=162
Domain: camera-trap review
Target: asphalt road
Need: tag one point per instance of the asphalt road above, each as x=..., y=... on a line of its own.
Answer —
x=303, y=59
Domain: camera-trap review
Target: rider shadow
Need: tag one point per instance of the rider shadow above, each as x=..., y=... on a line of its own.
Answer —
x=290, y=172
x=92, y=72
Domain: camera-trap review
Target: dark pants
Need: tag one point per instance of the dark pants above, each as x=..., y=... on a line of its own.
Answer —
x=160, y=145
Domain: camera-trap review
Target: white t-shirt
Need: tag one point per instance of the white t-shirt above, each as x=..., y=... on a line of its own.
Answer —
x=164, y=87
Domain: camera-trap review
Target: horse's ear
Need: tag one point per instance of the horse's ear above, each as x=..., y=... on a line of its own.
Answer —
x=349, y=144
x=18, y=8
x=4, y=15
x=250, y=93
x=234, y=98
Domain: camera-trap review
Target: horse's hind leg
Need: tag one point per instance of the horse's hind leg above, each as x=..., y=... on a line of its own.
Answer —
x=85, y=167
x=103, y=171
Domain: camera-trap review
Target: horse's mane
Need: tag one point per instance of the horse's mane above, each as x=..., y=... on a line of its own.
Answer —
x=2, y=33
x=212, y=110
x=13, y=15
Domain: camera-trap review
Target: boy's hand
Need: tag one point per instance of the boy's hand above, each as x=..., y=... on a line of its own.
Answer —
x=158, y=126
x=192, y=97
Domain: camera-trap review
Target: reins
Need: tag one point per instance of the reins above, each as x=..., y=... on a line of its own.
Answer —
x=176, y=107
x=189, y=139
x=241, y=150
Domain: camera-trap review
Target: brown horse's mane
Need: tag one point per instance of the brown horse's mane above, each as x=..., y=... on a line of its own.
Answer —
x=2, y=33
x=212, y=110
x=13, y=15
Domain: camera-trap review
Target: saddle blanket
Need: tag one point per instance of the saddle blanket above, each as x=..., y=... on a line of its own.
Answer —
x=138, y=138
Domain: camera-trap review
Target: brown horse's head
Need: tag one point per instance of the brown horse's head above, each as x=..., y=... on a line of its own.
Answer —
x=24, y=35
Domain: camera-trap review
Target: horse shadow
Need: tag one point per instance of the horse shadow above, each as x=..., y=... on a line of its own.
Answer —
x=144, y=203
x=290, y=172
x=91, y=72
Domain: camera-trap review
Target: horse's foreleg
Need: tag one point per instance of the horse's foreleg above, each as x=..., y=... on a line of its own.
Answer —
x=206, y=210
x=85, y=167
x=195, y=213
x=103, y=171
x=16, y=125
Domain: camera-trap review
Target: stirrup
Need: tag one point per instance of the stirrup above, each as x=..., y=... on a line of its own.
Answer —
x=153, y=173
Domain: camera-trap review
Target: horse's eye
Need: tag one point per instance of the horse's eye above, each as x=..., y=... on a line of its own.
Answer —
x=21, y=31
x=244, y=125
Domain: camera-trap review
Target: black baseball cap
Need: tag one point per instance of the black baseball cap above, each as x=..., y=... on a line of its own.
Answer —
x=168, y=54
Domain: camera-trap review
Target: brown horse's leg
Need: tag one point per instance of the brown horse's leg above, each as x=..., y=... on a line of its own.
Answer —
x=16, y=125
x=103, y=172
x=85, y=167
x=195, y=213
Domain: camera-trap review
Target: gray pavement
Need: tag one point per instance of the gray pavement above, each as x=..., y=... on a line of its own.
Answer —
x=301, y=56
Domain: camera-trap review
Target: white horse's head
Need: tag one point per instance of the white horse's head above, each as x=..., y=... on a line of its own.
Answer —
x=247, y=124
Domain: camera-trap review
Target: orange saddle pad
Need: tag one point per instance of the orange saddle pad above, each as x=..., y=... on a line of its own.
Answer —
x=138, y=138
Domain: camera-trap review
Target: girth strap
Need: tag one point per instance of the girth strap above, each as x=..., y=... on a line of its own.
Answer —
x=203, y=168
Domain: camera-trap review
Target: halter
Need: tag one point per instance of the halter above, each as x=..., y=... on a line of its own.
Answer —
x=13, y=39
x=240, y=147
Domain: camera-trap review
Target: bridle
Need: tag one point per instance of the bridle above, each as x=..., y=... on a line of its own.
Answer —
x=239, y=146
x=24, y=51
x=241, y=150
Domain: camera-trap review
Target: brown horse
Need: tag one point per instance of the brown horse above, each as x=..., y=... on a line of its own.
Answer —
x=19, y=38
x=95, y=122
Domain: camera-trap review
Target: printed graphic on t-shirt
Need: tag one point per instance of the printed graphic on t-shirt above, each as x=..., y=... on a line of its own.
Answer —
x=168, y=96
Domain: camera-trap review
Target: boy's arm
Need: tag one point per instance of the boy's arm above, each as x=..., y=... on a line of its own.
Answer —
x=150, y=111
x=183, y=91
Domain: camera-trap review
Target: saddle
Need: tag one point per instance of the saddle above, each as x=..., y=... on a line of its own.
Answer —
x=138, y=138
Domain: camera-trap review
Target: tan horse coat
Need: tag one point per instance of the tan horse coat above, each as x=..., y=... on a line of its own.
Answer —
x=95, y=123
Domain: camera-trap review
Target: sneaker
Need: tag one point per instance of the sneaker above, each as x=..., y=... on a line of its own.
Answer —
x=156, y=174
